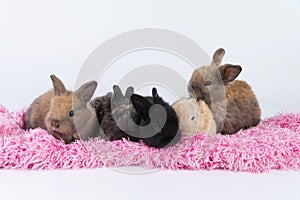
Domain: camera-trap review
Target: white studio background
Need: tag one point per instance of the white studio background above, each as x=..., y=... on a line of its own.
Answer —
x=39, y=38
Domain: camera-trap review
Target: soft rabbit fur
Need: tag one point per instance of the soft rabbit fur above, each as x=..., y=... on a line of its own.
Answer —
x=132, y=116
x=194, y=116
x=65, y=114
x=232, y=102
x=157, y=121
x=110, y=109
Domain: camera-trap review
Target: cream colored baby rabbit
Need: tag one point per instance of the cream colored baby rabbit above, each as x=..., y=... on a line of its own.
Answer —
x=194, y=117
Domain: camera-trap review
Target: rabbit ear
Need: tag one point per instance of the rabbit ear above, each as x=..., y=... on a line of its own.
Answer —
x=154, y=93
x=86, y=91
x=229, y=72
x=129, y=92
x=218, y=56
x=141, y=105
x=156, y=98
x=59, y=87
x=118, y=95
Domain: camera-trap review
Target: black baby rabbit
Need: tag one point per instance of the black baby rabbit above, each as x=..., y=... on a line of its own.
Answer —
x=157, y=121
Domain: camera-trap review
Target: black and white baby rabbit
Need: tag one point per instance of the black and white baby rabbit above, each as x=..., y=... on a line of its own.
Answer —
x=132, y=116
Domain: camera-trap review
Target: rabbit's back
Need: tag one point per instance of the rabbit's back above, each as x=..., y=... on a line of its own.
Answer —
x=105, y=118
x=38, y=110
x=242, y=108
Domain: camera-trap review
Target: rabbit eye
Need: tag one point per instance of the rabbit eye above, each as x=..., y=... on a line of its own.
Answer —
x=71, y=113
x=193, y=118
x=207, y=83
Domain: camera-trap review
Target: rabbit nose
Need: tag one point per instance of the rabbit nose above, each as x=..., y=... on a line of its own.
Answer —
x=55, y=123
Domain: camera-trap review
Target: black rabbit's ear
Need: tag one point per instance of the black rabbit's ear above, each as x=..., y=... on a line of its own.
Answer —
x=154, y=93
x=141, y=105
x=229, y=72
x=156, y=98
x=129, y=92
x=59, y=87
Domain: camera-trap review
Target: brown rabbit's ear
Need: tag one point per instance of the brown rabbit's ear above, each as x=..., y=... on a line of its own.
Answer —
x=86, y=91
x=129, y=92
x=218, y=56
x=117, y=95
x=229, y=72
x=59, y=87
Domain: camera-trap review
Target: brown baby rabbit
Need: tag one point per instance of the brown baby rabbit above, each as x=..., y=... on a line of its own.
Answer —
x=65, y=114
x=232, y=102
x=194, y=116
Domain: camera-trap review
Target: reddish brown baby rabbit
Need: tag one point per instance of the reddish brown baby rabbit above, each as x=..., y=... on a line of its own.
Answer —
x=66, y=115
x=232, y=102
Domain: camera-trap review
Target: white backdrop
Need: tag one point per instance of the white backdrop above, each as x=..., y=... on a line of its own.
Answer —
x=38, y=38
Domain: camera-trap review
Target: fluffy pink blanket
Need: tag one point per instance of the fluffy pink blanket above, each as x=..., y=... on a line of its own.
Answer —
x=273, y=144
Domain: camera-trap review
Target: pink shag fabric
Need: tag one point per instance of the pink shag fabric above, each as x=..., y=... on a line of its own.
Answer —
x=273, y=144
